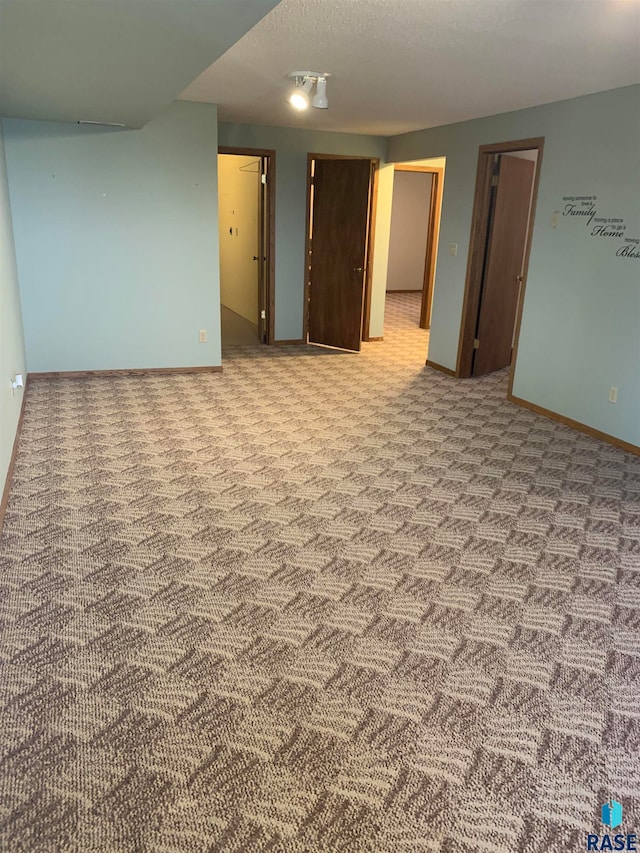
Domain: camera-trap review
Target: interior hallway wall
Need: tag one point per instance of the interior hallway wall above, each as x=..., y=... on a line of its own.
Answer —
x=409, y=229
x=581, y=312
x=12, y=354
x=238, y=218
x=116, y=235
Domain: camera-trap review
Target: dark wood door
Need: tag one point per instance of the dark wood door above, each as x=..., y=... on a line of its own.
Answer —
x=338, y=246
x=503, y=265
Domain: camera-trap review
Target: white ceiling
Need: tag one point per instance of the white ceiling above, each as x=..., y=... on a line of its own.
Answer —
x=401, y=65
x=111, y=60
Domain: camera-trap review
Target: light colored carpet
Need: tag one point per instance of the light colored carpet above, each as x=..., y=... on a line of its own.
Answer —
x=318, y=602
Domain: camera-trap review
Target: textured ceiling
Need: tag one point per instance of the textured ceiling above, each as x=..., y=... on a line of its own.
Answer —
x=111, y=60
x=400, y=65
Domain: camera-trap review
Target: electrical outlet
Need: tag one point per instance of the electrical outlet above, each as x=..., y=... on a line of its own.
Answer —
x=17, y=383
x=613, y=394
x=203, y=336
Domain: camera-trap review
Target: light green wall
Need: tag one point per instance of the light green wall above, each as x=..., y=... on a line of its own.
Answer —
x=117, y=247
x=116, y=236
x=291, y=146
x=12, y=358
x=581, y=317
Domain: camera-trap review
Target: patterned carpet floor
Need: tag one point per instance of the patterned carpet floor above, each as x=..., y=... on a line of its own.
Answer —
x=318, y=602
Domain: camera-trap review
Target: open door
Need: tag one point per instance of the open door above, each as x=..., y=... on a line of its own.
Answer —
x=415, y=228
x=508, y=219
x=338, y=236
x=246, y=204
x=502, y=222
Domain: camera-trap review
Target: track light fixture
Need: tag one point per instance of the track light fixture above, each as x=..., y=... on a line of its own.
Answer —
x=300, y=96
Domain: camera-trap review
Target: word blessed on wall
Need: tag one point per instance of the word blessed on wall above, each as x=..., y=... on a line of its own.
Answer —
x=584, y=208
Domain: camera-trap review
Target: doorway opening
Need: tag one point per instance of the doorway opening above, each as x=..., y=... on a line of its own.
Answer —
x=413, y=242
x=501, y=228
x=246, y=217
x=341, y=193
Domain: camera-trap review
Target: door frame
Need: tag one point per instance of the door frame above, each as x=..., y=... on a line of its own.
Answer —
x=433, y=233
x=477, y=245
x=371, y=225
x=269, y=285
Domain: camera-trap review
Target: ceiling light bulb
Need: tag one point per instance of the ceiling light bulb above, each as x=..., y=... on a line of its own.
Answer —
x=299, y=98
x=320, y=101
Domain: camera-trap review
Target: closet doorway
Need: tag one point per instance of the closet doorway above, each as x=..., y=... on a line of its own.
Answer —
x=246, y=214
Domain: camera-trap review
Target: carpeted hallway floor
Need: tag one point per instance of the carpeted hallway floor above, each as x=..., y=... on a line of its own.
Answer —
x=318, y=602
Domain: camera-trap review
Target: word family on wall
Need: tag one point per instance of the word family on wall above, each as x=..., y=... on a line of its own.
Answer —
x=584, y=208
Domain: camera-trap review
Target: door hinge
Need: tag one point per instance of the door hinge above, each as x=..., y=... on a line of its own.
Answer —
x=494, y=180
x=476, y=343
x=263, y=179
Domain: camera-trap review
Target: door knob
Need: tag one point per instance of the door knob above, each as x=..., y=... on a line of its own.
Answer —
x=358, y=269
x=255, y=258
x=519, y=279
